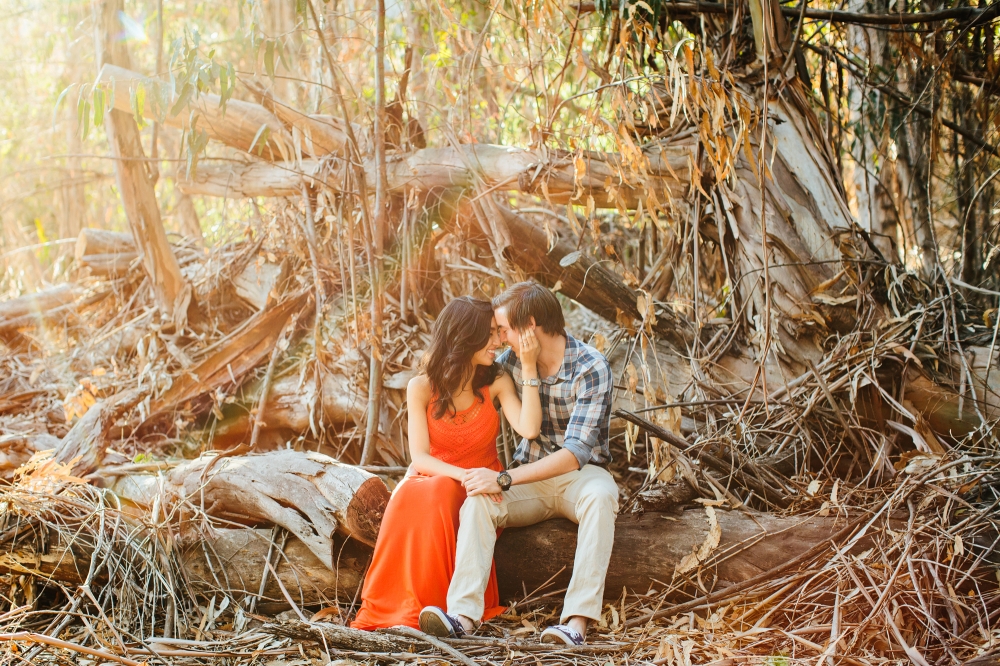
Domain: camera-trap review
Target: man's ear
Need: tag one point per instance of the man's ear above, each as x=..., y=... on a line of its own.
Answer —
x=531, y=324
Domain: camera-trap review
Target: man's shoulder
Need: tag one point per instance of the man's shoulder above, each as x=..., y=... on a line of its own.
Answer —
x=587, y=357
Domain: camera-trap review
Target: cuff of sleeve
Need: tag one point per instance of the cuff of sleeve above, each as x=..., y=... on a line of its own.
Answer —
x=582, y=452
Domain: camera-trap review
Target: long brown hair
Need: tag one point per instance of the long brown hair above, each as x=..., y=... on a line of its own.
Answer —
x=461, y=330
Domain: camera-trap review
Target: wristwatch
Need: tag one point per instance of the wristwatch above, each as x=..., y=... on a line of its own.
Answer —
x=530, y=382
x=504, y=481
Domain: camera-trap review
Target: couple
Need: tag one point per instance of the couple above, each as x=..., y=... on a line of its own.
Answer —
x=433, y=561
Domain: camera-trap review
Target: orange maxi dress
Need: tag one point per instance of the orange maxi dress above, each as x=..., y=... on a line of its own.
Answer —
x=414, y=555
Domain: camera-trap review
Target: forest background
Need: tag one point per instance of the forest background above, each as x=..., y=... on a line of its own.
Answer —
x=227, y=228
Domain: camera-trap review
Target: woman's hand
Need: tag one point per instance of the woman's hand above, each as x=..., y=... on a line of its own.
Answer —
x=528, y=347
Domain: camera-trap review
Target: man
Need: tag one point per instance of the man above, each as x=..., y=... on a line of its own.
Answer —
x=561, y=473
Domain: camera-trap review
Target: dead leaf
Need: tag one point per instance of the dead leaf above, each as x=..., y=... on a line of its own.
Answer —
x=834, y=300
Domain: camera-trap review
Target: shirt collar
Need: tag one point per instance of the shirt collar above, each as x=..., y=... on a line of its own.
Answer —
x=570, y=356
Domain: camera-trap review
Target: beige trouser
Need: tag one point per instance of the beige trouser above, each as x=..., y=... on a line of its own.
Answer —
x=588, y=497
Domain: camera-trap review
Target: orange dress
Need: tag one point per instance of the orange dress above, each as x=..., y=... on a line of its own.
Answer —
x=414, y=555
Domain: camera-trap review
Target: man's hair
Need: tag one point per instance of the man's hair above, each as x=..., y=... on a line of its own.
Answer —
x=525, y=300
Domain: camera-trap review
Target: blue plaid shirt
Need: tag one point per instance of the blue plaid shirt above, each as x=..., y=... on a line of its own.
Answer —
x=576, y=406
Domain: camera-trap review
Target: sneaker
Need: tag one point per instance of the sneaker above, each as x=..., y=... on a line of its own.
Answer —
x=560, y=634
x=436, y=622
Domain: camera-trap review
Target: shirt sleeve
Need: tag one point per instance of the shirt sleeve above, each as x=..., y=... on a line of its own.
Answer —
x=592, y=408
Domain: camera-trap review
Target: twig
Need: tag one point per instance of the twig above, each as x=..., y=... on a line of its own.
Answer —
x=32, y=637
x=430, y=640
x=265, y=389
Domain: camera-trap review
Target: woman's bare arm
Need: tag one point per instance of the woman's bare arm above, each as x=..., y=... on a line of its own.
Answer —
x=418, y=396
x=524, y=413
x=525, y=417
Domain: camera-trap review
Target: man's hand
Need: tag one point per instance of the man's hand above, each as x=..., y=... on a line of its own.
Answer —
x=482, y=481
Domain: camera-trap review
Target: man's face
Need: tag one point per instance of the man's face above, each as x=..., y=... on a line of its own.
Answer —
x=507, y=335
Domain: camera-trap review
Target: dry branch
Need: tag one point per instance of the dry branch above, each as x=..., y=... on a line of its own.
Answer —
x=963, y=14
x=33, y=309
x=232, y=357
x=84, y=446
x=664, y=171
x=236, y=126
x=173, y=293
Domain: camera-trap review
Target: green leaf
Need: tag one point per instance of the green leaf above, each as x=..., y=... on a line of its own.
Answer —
x=269, y=58
x=137, y=96
x=262, y=135
x=62, y=96
x=83, y=116
x=182, y=99
x=98, y=106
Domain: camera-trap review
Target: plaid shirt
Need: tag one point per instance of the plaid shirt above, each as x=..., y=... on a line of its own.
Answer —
x=576, y=406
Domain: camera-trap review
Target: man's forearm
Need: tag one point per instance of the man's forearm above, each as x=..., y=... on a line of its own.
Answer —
x=551, y=466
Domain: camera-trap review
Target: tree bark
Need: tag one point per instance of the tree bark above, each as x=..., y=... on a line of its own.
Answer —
x=309, y=494
x=172, y=292
x=84, y=446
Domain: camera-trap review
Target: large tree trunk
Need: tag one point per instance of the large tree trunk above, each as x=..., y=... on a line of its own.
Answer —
x=173, y=293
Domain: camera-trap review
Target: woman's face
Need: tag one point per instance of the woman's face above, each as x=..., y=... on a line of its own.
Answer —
x=486, y=355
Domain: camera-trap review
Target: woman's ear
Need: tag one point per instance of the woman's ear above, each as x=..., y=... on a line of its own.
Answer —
x=531, y=324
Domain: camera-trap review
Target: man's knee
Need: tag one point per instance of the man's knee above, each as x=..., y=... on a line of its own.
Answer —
x=598, y=497
x=478, y=507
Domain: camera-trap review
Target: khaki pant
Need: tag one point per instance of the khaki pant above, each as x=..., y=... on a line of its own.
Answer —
x=588, y=497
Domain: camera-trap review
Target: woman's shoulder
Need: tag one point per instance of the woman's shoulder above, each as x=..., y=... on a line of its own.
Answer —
x=501, y=382
x=419, y=387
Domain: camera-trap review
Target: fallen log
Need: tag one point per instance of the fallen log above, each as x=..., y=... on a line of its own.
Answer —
x=309, y=494
x=32, y=309
x=238, y=125
x=105, y=253
x=321, y=134
x=648, y=549
x=293, y=404
x=557, y=177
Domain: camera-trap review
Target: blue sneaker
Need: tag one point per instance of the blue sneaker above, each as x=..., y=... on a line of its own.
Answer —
x=560, y=634
x=436, y=622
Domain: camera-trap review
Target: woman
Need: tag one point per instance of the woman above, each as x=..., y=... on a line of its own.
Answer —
x=453, y=426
